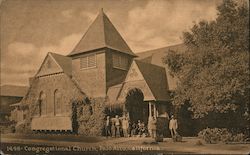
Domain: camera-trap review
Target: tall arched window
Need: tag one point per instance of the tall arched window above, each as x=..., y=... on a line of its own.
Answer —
x=57, y=103
x=43, y=105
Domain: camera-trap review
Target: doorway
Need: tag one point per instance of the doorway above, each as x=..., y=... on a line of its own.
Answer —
x=135, y=106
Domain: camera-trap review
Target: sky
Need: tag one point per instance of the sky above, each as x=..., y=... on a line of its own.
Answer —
x=32, y=28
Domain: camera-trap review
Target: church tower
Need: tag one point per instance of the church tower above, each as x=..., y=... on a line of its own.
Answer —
x=101, y=58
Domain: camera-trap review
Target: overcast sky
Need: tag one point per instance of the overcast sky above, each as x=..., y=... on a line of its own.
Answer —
x=31, y=28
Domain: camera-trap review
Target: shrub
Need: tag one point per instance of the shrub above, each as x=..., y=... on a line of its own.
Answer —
x=23, y=128
x=89, y=117
x=215, y=135
x=239, y=137
x=7, y=129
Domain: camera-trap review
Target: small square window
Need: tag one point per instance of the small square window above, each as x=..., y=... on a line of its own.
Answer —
x=88, y=61
x=120, y=61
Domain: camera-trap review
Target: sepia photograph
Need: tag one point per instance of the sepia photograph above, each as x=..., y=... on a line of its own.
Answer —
x=124, y=77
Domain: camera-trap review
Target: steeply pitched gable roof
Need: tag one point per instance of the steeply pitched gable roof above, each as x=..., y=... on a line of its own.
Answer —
x=61, y=64
x=100, y=34
x=155, y=57
x=113, y=93
x=64, y=62
x=155, y=77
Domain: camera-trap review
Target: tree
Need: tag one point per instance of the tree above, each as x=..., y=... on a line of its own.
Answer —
x=213, y=72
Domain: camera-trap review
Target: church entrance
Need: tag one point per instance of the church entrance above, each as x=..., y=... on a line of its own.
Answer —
x=136, y=108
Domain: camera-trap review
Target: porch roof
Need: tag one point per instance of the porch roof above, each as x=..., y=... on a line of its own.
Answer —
x=155, y=77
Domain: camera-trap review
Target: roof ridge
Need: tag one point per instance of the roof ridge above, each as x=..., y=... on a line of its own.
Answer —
x=103, y=27
x=57, y=54
x=141, y=52
x=106, y=17
x=84, y=34
x=88, y=29
x=148, y=73
x=61, y=60
x=149, y=64
x=101, y=34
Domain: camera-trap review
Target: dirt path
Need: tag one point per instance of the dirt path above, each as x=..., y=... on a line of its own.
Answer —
x=132, y=145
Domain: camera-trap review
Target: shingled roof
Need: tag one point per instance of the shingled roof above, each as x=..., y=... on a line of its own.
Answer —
x=155, y=77
x=155, y=57
x=64, y=62
x=100, y=34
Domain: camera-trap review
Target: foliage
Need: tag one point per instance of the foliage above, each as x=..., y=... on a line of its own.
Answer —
x=23, y=127
x=88, y=116
x=215, y=135
x=75, y=124
x=162, y=127
x=214, y=72
x=187, y=126
x=7, y=129
x=240, y=137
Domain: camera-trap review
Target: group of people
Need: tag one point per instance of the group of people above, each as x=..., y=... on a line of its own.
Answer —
x=115, y=127
x=123, y=127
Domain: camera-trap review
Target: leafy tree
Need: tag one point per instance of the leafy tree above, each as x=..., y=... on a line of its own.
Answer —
x=213, y=72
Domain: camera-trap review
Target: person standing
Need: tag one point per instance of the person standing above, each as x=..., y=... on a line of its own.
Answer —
x=117, y=126
x=125, y=126
x=112, y=128
x=108, y=127
x=150, y=119
x=139, y=127
x=152, y=127
x=173, y=126
x=134, y=129
x=129, y=128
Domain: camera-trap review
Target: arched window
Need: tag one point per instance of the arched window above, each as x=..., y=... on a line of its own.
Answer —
x=43, y=103
x=57, y=103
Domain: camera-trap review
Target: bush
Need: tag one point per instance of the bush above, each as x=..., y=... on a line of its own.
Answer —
x=23, y=128
x=7, y=129
x=162, y=126
x=215, y=135
x=239, y=137
x=90, y=117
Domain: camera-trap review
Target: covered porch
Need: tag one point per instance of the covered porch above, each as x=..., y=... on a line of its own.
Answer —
x=143, y=94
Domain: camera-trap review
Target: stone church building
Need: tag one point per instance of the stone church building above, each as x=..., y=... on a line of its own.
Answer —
x=100, y=65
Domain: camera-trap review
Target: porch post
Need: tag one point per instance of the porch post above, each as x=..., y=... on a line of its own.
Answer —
x=155, y=110
x=149, y=108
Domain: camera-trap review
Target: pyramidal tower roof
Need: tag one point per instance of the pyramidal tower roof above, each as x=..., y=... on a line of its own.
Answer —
x=100, y=34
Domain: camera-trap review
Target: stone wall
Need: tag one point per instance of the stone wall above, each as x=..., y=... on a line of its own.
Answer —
x=48, y=85
x=93, y=80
